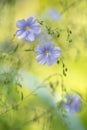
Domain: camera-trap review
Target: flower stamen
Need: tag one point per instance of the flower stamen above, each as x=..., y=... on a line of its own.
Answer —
x=47, y=52
x=27, y=28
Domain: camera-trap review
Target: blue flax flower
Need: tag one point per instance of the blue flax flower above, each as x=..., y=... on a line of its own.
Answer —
x=28, y=29
x=47, y=54
x=72, y=103
x=54, y=14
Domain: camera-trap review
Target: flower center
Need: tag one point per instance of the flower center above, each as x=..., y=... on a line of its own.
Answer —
x=27, y=28
x=47, y=52
x=69, y=101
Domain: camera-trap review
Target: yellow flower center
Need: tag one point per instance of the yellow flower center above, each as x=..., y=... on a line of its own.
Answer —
x=27, y=28
x=47, y=52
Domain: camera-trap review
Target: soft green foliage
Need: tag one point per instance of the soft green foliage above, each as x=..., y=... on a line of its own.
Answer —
x=31, y=95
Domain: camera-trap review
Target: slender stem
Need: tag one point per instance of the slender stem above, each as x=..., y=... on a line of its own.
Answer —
x=36, y=118
x=33, y=91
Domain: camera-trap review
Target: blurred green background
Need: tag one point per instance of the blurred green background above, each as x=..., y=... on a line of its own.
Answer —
x=74, y=50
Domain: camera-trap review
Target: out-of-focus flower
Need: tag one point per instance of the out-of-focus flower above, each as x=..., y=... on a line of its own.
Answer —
x=53, y=14
x=47, y=54
x=43, y=38
x=72, y=103
x=28, y=29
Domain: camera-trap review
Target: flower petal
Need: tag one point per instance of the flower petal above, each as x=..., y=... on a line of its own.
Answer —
x=41, y=59
x=49, y=46
x=51, y=60
x=21, y=23
x=21, y=35
x=39, y=49
x=36, y=28
x=56, y=52
x=30, y=20
x=30, y=37
x=19, y=32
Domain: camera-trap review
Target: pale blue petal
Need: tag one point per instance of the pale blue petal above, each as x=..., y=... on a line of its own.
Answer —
x=19, y=32
x=49, y=46
x=21, y=23
x=36, y=28
x=56, y=52
x=39, y=49
x=51, y=60
x=30, y=37
x=30, y=20
x=41, y=59
x=22, y=36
